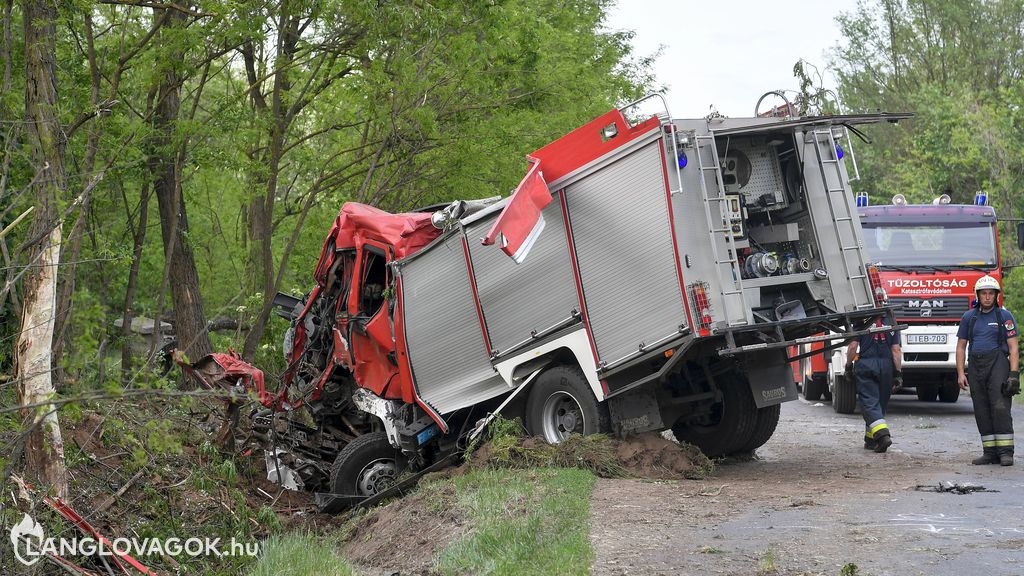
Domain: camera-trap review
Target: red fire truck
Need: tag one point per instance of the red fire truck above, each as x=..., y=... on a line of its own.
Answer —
x=929, y=256
x=647, y=274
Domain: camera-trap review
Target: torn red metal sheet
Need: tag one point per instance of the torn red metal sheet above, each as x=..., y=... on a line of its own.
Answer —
x=225, y=370
x=69, y=513
x=521, y=222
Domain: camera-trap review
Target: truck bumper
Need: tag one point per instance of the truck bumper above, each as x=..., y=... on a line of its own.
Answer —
x=929, y=357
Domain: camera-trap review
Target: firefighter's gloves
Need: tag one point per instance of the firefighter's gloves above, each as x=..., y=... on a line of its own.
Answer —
x=1012, y=385
x=897, y=381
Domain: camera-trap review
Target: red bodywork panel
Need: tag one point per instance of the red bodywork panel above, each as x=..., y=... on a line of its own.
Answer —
x=224, y=370
x=588, y=143
x=933, y=285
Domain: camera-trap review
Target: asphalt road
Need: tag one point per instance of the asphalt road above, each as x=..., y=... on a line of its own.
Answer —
x=813, y=501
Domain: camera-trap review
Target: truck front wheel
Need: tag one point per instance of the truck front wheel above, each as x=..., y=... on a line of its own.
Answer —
x=561, y=404
x=949, y=391
x=729, y=427
x=814, y=388
x=366, y=466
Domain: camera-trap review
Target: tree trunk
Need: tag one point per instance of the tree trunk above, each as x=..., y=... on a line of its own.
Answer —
x=45, y=446
x=72, y=253
x=261, y=214
x=165, y=163
x=133, y=280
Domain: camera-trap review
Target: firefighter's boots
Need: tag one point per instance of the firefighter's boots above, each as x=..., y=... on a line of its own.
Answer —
x=882, y=440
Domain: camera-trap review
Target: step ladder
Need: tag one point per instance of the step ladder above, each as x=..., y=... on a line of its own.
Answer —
x=841, y=208
x=729, y=274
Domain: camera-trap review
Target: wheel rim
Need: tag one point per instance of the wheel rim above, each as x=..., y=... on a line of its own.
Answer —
x=376, y=476
x=562, y=416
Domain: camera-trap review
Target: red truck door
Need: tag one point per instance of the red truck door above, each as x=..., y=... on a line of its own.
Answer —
x=370, y=329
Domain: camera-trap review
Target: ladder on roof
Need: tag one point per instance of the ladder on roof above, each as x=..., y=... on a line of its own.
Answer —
x=730, y=275
x=841, y=208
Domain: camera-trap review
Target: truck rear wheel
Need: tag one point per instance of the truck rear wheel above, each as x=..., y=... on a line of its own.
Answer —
x=728, y=428
x=844, y=394
x=767, y=420
x=949, y=391
x=561, y=404
x=366, y=466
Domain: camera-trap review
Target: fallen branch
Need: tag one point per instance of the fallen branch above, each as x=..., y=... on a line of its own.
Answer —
x=109, y=500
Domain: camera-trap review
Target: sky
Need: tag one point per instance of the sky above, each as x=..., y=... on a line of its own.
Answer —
x=727, y=53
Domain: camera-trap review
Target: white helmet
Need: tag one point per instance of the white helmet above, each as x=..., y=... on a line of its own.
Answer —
x=986, y=283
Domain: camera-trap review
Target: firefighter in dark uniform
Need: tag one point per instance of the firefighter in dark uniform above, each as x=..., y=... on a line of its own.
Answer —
x=875, y=362
x=993, y=377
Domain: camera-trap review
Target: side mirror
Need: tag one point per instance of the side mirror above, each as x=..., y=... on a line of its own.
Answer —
x=1020, y=235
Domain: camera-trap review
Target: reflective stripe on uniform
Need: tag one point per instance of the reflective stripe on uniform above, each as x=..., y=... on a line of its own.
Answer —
x=875, y=426
x=989, y=440
x=1003, y=440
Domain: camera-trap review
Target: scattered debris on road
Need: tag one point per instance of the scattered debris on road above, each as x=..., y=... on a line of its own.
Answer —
x=947, y=487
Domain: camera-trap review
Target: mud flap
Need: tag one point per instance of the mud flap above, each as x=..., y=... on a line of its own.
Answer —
x=635, y=412
x=770, y=377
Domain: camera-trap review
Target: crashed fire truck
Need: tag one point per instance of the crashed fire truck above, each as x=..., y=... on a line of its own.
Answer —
x=645, y=275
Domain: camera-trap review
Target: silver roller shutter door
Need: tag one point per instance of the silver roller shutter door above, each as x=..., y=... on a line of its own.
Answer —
x=623, y=241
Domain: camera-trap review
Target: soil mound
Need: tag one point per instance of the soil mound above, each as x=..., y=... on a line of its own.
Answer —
x=654, y=456
x=642, y=456
x=407, y=534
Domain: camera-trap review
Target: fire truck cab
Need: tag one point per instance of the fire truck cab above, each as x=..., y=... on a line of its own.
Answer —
x=929, y=256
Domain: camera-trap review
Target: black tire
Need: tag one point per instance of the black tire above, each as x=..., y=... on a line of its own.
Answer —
x=767, y=420
x=814, y=389
x=949, y=391
x=927, y=392
x=844, y=395
x=730, y=426
x=561, y=404
x=366, y=466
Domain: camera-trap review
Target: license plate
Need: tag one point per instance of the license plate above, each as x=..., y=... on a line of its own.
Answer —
x=926, y=338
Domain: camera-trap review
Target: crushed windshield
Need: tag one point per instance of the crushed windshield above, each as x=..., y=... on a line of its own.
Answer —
x=930, y=245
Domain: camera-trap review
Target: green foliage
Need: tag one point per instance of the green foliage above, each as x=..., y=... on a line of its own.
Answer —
x=849, y=569
x=298, y=555
x=268, y=520
x=161, y=439
x=389, y=103
x=957, y=66
x=226, y=471
x=767, y=565
x=523, y=522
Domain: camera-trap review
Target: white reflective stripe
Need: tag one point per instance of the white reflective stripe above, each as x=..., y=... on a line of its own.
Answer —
x=989, y=437
x=1002, y=436
x=876, y=423
x=527, y=244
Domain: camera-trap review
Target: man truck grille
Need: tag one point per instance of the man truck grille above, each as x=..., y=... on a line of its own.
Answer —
x=950, y=308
